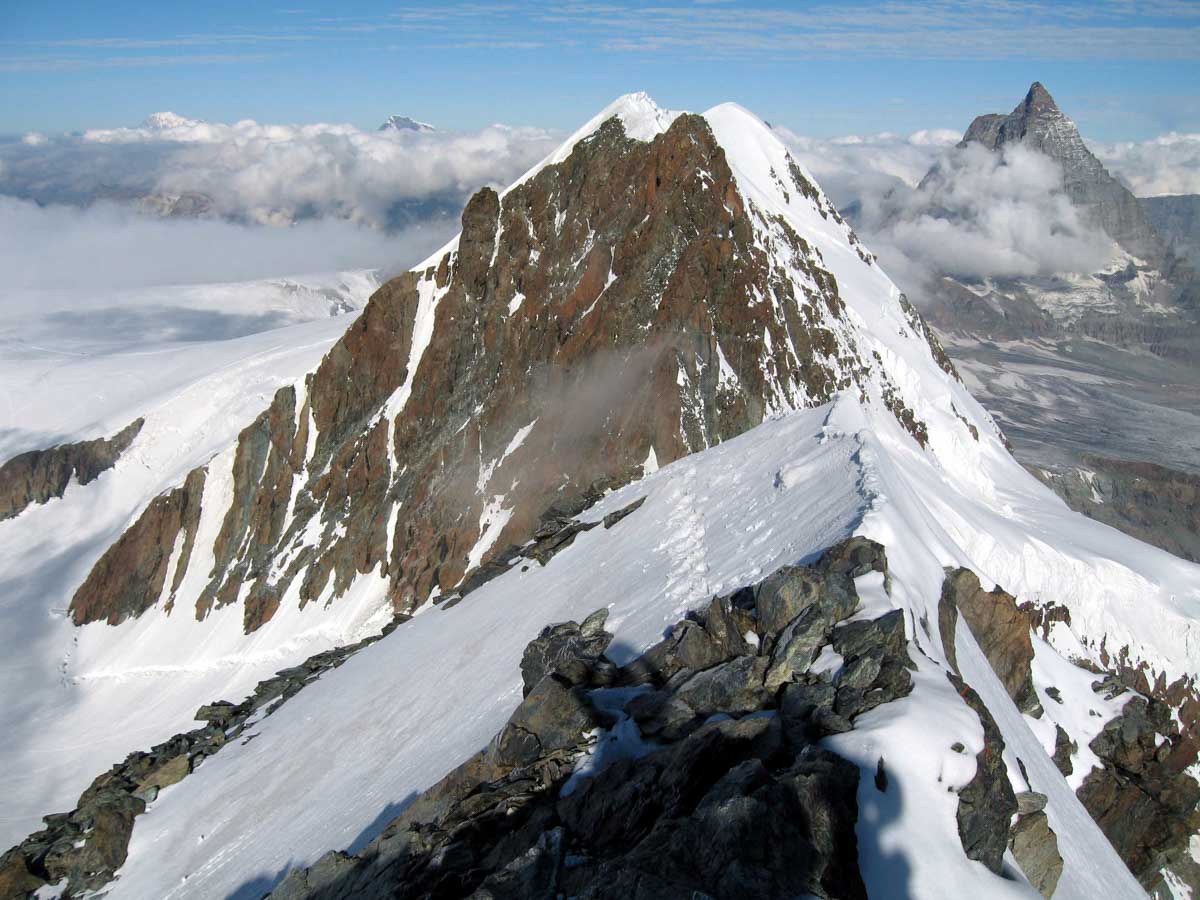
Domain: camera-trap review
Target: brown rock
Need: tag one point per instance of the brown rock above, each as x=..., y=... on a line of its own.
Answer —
x=42, y=475
x=1002, y=631
x=1035, y=847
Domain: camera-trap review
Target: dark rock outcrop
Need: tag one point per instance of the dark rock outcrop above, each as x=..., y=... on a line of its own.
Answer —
x=987, y=804
x=42, y=475
x=568, y=651
x=732, y=796
x=1142, y=797
x=86, y=846
x=1155, y=504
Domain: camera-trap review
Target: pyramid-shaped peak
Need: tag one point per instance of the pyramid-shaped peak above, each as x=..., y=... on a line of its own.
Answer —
x=1038, y=100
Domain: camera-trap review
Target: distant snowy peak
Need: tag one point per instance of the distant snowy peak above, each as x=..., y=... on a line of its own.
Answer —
x=166, y=121
x=404, y=123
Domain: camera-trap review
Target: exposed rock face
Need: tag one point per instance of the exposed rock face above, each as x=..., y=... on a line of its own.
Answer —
x=609, y=308
x=131, y=576
x=1155, y=504
x=1143, y=798
x=1038, y=123
x=1002, y=631
x=1177, y=221
x=42, y=475
x=733, y=798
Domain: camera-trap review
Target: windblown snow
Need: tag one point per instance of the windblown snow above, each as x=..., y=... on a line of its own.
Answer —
x=400, y=714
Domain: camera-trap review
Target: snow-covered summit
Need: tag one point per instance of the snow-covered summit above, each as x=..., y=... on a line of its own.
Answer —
x=404, y=123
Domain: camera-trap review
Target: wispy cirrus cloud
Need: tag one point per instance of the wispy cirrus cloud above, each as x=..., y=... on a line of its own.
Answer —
x=901, y=29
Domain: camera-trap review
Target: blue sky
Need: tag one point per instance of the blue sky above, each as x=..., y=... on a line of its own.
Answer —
x=1124, y=70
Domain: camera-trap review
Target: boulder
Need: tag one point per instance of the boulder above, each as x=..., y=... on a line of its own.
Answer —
x=792, y=589
x=798, y=645
x=734, y=688
x=854, y=557
x=1035, y=847
x=554, y=716
x=568, y=649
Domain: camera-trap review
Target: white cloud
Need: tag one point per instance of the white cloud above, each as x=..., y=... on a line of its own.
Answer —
x=1168, y=164
x=864, y=167
x=990, y=215
x=107, y=246
x=984, y=215
x=274, y=174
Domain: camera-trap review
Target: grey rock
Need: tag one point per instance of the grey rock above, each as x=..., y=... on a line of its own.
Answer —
x=1035, y=848
x=568, y=650
x=553, y=716
x=798, y=645
x=735, y=688
x=1030, y=802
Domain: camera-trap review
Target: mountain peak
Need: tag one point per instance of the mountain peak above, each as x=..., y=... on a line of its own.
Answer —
x=404, y=123
x=1038, y=124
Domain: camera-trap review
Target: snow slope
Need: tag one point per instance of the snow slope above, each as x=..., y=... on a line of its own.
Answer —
x=399, y=715
x=74, y=700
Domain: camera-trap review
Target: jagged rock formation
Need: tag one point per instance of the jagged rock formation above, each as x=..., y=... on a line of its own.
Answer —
x=1143, y=797
x=42, y=475
x=1158, y=505
x=475, y=391
x=698, y=779
x=1039, y=124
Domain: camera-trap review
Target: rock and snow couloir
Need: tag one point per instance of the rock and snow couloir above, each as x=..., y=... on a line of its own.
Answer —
x=665, y=290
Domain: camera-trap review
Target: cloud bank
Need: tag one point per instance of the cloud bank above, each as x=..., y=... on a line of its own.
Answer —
x=978, y=215
x=106, y=246
x=271, y=174
x=1168, y=164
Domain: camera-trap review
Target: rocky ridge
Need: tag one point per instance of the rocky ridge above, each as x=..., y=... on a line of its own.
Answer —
x=476, y=390
x=695, y=770
x=1039, y=124
x=1155, y=504
x=39, y=476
